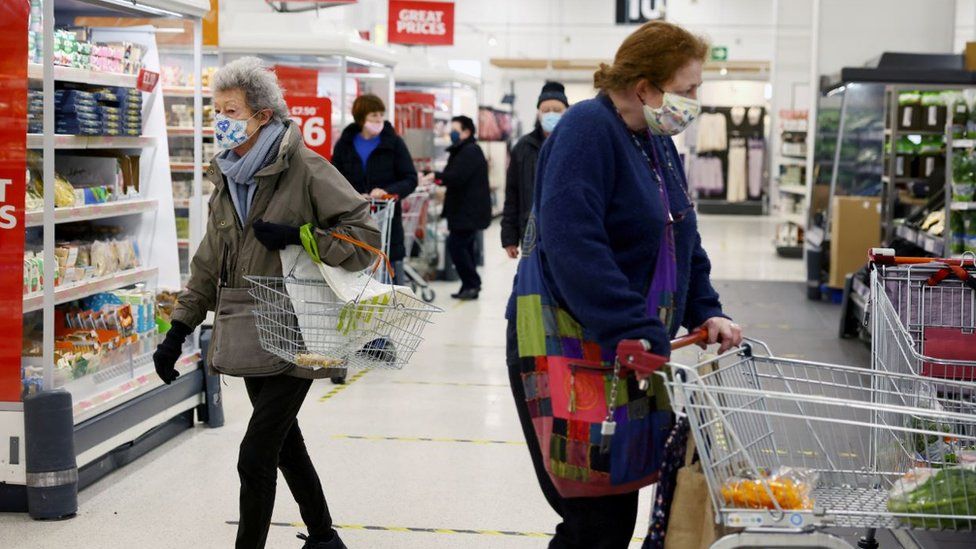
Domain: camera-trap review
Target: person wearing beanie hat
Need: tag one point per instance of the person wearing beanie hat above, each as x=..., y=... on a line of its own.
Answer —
x=520, y=180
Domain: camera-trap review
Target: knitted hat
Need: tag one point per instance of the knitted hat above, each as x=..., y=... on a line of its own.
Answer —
x=553, y=90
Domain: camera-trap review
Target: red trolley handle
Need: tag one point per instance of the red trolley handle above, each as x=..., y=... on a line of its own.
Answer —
x=886, y=256
x=636, y=354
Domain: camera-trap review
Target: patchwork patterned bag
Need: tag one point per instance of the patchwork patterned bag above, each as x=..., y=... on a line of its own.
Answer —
x=573, y=387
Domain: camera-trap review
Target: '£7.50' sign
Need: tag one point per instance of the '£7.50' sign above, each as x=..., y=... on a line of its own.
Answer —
x=313, y=116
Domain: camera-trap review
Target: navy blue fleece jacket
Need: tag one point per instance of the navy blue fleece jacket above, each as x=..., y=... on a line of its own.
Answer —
x=600, y=222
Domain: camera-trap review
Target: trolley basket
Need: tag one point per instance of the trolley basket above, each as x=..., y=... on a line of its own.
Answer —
x=842, y=439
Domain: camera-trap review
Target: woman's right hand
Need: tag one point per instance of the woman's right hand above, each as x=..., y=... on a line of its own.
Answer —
x=512, y=251
x=169, y=351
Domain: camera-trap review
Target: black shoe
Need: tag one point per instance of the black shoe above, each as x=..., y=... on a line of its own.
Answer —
x=468, y=295
x=459, y=293
x=380, y=350
x=314, y=543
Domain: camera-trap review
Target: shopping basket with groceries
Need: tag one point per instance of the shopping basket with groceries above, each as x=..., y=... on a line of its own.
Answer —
x=318, y=316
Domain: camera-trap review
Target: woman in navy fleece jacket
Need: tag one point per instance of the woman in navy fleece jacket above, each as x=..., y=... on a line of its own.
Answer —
x=599, y=226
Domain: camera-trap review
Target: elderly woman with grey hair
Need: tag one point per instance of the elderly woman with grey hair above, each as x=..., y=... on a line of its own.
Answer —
x=267, y=186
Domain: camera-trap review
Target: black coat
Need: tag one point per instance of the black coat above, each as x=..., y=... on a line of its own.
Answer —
x=467, y=203
x=389, y=167
x=520, y=186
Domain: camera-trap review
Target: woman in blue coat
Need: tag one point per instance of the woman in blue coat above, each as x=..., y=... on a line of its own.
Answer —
x=611, y=253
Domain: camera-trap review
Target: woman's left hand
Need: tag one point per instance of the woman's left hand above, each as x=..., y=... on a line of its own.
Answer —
x=378, y=193
x=723, y=331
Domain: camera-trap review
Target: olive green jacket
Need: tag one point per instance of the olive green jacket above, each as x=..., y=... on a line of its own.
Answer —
x=298, y=187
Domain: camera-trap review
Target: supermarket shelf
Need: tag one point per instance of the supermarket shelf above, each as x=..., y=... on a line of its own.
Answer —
x=184, y=167
x=107, y=395
x=93, y=211
x=793, y=189
x=963, y=206
x=35, y=71
x=963, y=143
x=915, y=132
x=63, y=294
x=181, y=203
x=793, y=160
x=934, y=245
x=794, y=218
x=183, y=242
x=183, y=91
x=187, y=131
x=794, y=156
x=36, y=141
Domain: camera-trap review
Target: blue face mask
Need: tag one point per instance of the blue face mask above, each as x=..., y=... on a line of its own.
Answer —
x=455, y=137
x=549, y=121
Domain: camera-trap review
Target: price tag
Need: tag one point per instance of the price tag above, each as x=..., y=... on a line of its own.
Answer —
x=146, y=80
x=313, y=116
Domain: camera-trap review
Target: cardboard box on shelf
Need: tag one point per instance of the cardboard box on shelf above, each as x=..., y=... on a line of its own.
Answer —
x=970, y=56
x=855, y=228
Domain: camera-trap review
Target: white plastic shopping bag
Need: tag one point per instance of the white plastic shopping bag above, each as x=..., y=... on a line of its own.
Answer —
x=338, y=311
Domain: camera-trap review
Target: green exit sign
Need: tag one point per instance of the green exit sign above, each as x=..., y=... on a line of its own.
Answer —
x=719, y=53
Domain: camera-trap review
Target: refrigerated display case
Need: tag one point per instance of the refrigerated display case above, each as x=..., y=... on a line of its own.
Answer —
x=99, y=236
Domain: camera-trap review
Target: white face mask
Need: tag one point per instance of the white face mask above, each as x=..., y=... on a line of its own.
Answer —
x=674, y=115
x=373, y=128
x=230, y=133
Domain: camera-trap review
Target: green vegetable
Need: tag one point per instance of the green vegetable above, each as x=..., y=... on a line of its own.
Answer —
x=948, y=492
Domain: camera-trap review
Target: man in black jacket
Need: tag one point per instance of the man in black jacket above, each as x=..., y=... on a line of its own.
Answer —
x=467, y=203
x=520, y=180
x=378, y=165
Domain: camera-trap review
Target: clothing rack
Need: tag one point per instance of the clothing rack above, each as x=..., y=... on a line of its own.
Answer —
x=727, y=159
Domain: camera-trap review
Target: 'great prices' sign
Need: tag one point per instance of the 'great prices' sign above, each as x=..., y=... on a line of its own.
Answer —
x=313, y=116
x=423, y=23
x=13, y=144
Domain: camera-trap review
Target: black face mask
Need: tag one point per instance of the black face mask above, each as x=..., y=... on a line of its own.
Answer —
x=455, y=137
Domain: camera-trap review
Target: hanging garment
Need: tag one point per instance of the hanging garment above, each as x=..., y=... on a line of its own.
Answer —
x=755, y=116
x=705, y=175
x=712, y=133
x=737, y=172
x=757, y=150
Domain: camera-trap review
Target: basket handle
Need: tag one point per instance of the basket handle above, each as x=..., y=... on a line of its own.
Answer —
x=886, y=256
x=380, y=259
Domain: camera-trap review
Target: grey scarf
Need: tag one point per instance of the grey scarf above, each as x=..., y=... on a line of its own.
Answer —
x=240, y=170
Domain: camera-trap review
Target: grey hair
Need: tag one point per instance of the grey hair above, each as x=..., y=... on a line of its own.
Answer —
x=258, y=82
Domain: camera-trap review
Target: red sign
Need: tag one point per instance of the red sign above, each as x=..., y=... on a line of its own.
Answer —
x=313, y=116
x=13, y=146
x=425, y=23
x=298, y=80
x=146, y=81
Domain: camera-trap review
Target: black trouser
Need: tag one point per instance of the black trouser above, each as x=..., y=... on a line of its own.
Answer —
x=588, y=523
x=273, y=441
x=461, y=246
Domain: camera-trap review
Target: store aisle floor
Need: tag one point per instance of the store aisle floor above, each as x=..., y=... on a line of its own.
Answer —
x=429, y=457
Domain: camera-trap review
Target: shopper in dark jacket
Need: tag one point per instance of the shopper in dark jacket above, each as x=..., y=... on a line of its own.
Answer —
x=467, y=204
x=520, y=180
x=376, y=161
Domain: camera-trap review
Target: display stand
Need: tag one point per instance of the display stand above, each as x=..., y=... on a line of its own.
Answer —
x=791, y=190
x=119, y=408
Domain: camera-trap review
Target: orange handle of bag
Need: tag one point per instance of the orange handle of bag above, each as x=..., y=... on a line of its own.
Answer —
x=381, y=257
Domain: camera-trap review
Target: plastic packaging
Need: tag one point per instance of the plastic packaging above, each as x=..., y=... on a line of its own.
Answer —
x=924, y=491
x=788, y=487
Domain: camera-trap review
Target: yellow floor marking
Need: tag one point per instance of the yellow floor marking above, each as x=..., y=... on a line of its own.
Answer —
x=411, y=529
x=339, y=388
x=427, y=439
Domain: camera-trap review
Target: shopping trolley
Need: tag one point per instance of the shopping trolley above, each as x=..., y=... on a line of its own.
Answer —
x=304, y=322
x=415, y=208
x=790, y=448
x=923, y=315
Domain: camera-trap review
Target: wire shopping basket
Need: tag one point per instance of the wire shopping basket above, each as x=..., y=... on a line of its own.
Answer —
x=302, y=320
x=790, y=446
x=923, y=315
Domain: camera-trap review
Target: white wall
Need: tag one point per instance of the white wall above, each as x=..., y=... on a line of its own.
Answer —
x=853, y=33
x=965, y=24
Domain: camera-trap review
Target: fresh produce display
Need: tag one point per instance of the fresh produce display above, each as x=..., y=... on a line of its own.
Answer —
x=947, y=492
x=788, y=487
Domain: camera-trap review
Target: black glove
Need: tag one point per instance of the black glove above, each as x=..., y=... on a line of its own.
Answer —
x=276, y=236
x=169, y=351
